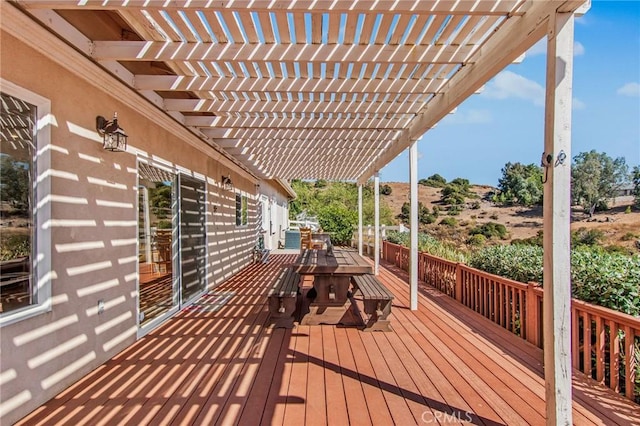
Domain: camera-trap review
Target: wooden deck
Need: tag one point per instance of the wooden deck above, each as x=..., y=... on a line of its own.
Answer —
x=442, y=364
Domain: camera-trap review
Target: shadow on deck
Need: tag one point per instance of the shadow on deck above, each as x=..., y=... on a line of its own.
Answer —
x=442, y=364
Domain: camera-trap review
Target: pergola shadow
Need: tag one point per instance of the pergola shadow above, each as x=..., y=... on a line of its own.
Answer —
x=226, y=365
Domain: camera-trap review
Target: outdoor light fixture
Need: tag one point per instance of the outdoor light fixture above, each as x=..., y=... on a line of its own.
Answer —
x=226, y=183
x=114, y=137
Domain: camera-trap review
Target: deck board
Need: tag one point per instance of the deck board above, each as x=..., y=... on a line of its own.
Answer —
x=441, y=363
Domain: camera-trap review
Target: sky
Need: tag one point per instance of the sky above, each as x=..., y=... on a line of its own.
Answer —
x=505, y=122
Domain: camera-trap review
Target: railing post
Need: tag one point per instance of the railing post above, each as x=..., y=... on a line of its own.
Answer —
x=532, y=318
x=458, y=282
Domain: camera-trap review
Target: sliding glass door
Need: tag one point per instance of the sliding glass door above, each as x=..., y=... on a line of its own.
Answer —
x=157, y=286
x=193, y=239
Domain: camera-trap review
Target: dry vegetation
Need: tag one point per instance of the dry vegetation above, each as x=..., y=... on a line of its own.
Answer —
x=521, y=222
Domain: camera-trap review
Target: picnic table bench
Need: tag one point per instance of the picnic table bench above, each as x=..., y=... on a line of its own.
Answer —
x=377, y=301
x=283, y=296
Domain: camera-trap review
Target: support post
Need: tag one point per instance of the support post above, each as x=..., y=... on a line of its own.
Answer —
x=557, y=209
x=376, y=223
x=413, y=254
x=360, y=219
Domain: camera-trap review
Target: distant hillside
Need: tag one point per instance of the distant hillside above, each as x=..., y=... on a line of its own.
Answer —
x=619, y=228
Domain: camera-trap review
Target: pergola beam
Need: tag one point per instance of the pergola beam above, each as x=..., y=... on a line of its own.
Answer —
x=478, y=7
x=515, y=36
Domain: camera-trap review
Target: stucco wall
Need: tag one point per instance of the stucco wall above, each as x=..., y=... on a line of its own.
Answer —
x=94, y=233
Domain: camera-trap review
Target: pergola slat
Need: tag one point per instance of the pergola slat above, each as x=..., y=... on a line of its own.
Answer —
x=269, y=70
x=176, y=51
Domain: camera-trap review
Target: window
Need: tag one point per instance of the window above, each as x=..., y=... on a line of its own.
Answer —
x=242, y=210
x=23, y=130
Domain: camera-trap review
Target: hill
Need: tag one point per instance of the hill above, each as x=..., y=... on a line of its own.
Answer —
x=618, y=228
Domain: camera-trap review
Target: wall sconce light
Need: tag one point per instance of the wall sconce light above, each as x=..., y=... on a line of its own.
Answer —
x=215, y=208
x=227, y=183
x=113, y=136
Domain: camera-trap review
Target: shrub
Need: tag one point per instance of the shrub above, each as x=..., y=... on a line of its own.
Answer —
x=627, y=210
x=489, y=230
x=477, y=240
x=14, y=246
x=428, y=244
x=517, y=262
x=607, y=279
x=449, y=221
x=493, y=216
x=434, y=181
x=436, y=211
x=531, y=241
x=385, y=190
x=628, y=236
x=454, y=211
x=475, y=205
x=586, y=237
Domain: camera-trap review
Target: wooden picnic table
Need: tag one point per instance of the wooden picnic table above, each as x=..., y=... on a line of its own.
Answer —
x=332, y=275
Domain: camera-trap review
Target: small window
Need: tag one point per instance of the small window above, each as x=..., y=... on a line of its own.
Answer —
x=23, y=117
x=242, y=210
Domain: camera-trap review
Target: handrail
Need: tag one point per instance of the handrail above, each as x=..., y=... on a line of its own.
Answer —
x=605, y=343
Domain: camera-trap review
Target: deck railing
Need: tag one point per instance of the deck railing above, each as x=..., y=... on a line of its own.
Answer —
x=605, y=343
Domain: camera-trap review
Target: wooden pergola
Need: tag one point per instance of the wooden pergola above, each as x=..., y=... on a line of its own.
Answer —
x=336, y=89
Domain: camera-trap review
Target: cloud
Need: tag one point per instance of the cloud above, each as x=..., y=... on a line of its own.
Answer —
x=508, y=85
x=629, y=89
x=540, y=48
x=578, y=104
x=472, y=116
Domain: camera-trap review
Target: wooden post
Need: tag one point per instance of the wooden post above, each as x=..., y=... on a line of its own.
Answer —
x=557, y=209
x=360, y=219
x=532, y=318
x=376, y=223
x=413, y=255
x=458, y=283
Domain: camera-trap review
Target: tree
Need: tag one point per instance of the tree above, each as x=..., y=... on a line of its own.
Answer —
x=595, y=178
x=385, y=190
x=14, y=183
x=520, y=184
x=635, y=176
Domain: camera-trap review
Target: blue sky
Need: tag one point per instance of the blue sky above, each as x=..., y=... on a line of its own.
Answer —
x=505, y=123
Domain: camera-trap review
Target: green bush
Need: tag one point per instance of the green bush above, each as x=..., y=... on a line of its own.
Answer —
x=475, y=205
x=586, y=237
x=449, y=221
x=385, y=190
x=428, y=244
x=628, y=236
x=611, y=280
x=477, y=240
x=517, y=262
x=490, y=230
x=14, y=246
x=493, y=216
x=434, y=181
x=454, y=210
x=627, y=210
x=607, y=279
x=531, y=241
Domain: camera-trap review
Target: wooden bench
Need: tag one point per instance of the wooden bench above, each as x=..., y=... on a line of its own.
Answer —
x=283, y=297
x=377, y=301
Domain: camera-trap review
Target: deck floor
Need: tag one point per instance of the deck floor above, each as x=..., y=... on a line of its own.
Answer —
x=442, y=364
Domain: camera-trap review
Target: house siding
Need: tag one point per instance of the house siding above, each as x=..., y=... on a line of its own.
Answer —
x=94, y=200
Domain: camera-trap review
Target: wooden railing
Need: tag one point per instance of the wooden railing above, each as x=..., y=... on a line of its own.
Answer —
x=605, y=343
